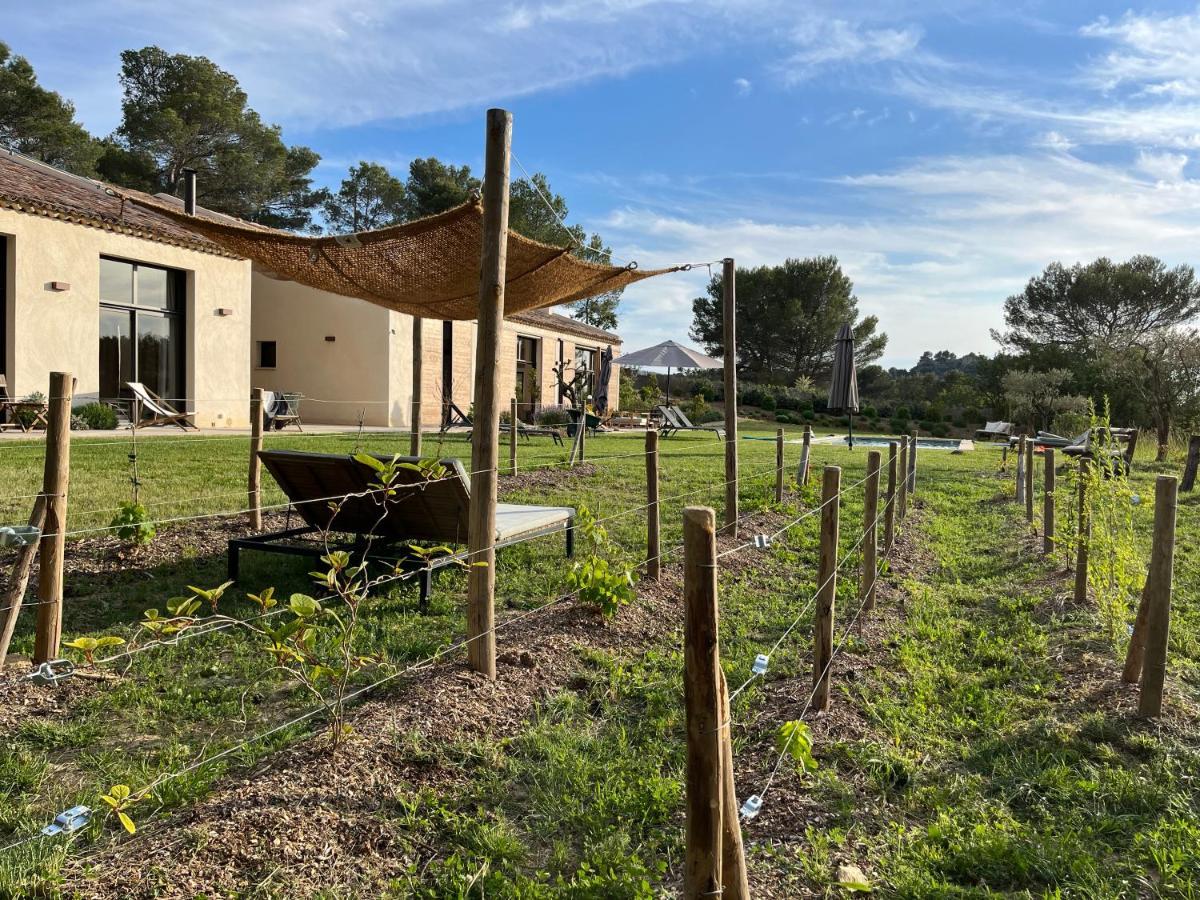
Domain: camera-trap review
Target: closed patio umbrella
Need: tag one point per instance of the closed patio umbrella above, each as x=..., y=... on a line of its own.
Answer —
x=843, y=382
x=600, y=400
x=669, y=354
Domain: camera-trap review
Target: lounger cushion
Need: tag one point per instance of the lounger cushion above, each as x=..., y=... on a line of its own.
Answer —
x=514, y=519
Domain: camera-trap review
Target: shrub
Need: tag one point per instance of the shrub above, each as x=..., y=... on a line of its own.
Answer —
x=899, y=424
x=807, y=415
x=902, y=413
x=132, y=523
x=695, y=407
x=553, y=415
x=940, y=429
x=709, y=415
x=783, y=418
x=97, y=416
x=767, y=402
x=869, y=412
x=926, y=425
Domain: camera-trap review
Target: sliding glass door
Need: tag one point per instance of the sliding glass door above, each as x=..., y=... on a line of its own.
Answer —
x=141, y=329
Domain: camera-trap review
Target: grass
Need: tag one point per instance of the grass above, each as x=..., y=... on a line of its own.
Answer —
x=989, y=755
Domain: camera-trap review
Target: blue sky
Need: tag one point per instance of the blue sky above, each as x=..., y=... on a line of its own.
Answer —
x=944, y=151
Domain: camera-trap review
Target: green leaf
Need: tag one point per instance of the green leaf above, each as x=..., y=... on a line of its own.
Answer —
x=127, y=822
x=370, y=461
x=86, y=644
x=304, y=606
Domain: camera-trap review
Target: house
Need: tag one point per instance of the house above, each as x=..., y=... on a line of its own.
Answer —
x=115, y=292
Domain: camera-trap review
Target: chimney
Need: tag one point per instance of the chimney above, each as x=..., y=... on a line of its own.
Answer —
x=189, y=191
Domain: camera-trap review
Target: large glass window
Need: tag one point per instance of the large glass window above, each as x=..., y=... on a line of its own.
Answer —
x=141, y=329
x=587, y=359
x=528, y=384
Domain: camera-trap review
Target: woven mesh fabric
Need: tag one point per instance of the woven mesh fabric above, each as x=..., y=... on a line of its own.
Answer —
x=427, y=268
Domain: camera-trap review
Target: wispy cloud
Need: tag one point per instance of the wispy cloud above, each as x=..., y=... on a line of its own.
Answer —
x=743, y=86
x=836, y=43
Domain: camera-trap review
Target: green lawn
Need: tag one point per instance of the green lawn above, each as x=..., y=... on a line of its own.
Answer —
x=978, y=744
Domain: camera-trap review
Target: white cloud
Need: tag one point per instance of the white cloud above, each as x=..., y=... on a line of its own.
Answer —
x=1162, y=166
x=1155, y=54
x=822, y=44
x=743, y=86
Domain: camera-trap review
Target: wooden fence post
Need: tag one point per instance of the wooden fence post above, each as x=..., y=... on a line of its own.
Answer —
x=583, y=434
x=254, y=479
x=1083, y=535
x=485, y=447
x=779, y=465
x=1135, y=653
x=1021, y=471
x=889, y=511
x=902, y=493
x=1048, y=481
x=418, y=386
x=1158, y=618
x=805, y=454
x=1029, y=481
x=56, y=480
x=866, y=588
x=733, y=853
x=831, y=485
x=512, y=438
x=1192, y=464
x=702, y=668
x=912, y=466
x=729, y=342
x=653, y=521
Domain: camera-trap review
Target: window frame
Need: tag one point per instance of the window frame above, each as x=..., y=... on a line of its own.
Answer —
x=177, y=286
x=258, y=356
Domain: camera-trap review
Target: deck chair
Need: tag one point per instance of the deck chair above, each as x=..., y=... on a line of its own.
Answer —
x=674, y=421
x=994, y=430
x=334, y=493
x=285, y=411
x=160, y=411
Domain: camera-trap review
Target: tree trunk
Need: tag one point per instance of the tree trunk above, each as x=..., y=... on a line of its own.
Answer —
x=1164, y=437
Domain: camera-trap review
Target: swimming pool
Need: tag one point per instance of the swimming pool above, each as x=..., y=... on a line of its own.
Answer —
x=922, y=443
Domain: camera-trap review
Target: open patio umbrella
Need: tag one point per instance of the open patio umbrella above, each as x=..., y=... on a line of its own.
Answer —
x=843, y=383
x=671, y=355
x=600, y=400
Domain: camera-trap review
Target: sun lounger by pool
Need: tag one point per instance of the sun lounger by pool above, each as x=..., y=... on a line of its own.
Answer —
x=674, y=420
x=337, y=494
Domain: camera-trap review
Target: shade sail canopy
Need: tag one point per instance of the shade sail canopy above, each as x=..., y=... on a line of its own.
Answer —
x=428, y=268
x=671, y=355
x=843, y=383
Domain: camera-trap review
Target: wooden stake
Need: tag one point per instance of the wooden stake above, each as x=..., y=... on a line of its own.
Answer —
x=729, y=339
x=831, y=485
x=702, y=666
x=1029, y=481
x=1192, y=464
x=1048, y=502
x=653, y=522
x=912, y=465
x=485, y=448
x=1083, y=536
x=418, y=385
x=14, y=595
x=254, y=479
x=55, y=482
x=889, y=512
x=583, y=434
x=1021, y=471
x=866, y=582
x=805, y=454
x=779, y=465
x=733, y=854
x=902, y=493
x=1135, y=653
x=512, y=438
x=1158, y=619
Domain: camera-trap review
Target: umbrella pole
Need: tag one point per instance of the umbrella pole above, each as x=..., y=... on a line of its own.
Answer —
x=668, y=385
x=851, y=431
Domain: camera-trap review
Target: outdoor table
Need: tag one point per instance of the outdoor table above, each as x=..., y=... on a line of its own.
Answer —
x=39, y=410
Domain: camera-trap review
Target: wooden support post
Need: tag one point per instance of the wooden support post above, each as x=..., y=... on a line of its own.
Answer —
x=14, y=595
x=866, y=584
x=1083, y=536
x=902, y=493
x=831, y=485
x=805, y=457
x=889, y=513
x=418, y=386
x=733, y=854
x=1029, y=481
x=254, y=478
x=1048, y=502
x=1192, y=464
x=512, y=438
x=1021, y=471
x=779, y=465
x=1158, y=619
x=729, y=342
x=583, y=434
x=485, y=448
x=55, y=482
x=653, y=522
x=1135, y=653
x=912, y=465
x=702, y=669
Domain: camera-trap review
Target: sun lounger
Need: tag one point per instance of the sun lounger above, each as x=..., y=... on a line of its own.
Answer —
x=337, y=494
x=674, y=419
x=523, y=430
x=993, y=430
x=1122, y=460
x=149, y=409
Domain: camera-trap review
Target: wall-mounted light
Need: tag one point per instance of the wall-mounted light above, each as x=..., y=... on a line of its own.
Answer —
x=223, y=311
x=58, y=286
x=330, y=338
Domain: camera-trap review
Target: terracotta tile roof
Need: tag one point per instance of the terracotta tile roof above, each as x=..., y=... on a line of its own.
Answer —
x=543, y=318
x=38, y=189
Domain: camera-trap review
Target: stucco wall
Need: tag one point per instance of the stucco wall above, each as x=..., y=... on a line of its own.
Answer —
x=60, y=331
x=339, y=378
